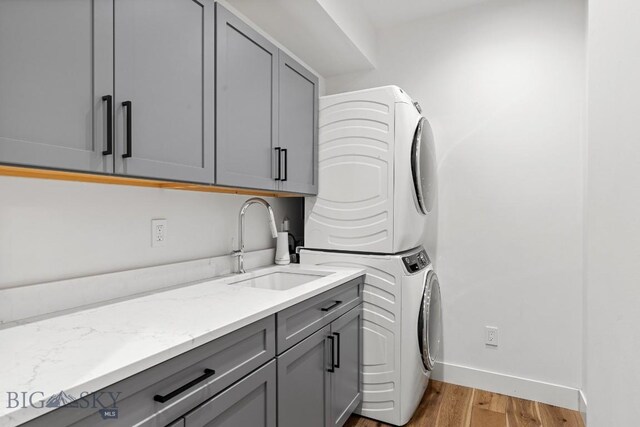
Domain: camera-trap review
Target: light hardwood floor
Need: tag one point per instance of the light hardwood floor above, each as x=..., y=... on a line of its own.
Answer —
x=448, y=405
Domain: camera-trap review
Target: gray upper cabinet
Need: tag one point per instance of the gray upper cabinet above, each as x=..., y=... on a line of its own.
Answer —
x=177, y=90
x=56, y=66
x=298, y=127
x=346, y=381
x=164, y=87
x=246, y=105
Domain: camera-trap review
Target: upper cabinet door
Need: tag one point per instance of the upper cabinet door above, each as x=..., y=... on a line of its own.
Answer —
x=56, y=65
x=246, y=105
x=298, y=127
x=164, y=78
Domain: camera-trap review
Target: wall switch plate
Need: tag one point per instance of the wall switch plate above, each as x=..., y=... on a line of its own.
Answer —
x=158, y=232
x=491, y=336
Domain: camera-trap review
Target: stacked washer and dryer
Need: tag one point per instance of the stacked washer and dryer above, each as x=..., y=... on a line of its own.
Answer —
x=377, y=196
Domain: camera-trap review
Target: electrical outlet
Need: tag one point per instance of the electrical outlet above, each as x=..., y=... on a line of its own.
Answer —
x=491, y=336
x=158, y=232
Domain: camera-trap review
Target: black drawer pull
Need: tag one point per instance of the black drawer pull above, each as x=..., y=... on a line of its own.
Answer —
x=129, y=143
x=109, y=149
x=337, y=334
x=333, y=351
x=279, y=177
x=286, y=165
x=174, y=393
x=332, y=306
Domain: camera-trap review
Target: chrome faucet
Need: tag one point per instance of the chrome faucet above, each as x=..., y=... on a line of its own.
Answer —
x=272, y=224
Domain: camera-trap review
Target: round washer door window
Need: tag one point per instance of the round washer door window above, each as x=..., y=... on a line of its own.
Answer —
x=423, y=166
x=430, y=322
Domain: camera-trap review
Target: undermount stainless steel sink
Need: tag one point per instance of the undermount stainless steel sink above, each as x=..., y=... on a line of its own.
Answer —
x=281, y=280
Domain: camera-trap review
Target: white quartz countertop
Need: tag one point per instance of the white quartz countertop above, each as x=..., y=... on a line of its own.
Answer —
x=88, y=350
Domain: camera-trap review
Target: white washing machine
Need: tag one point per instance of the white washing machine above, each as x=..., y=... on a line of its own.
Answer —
x=401, y=328
x=377, y=174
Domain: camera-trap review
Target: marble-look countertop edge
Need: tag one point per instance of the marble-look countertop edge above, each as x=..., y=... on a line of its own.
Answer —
x=16, y=416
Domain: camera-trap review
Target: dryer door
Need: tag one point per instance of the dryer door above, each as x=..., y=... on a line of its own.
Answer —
x=423, y=166
x=430, y=322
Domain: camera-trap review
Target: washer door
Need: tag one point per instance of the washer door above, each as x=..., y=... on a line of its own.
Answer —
x=423, y=166
x=430, y=322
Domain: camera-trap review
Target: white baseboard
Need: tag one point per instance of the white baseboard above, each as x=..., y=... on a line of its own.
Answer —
x=582, y=405
x=552, y=394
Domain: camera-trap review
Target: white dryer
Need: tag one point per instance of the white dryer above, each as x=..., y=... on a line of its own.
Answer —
x=401, y=328
x=377, y=174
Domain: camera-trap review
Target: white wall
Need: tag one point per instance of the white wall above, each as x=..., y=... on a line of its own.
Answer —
x=613, y=215
x=503, y=86
x=54, y=230
x=51, y=230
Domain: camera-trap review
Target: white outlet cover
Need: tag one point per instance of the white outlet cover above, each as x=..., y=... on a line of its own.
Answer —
x=491, y=336
x=158, y=233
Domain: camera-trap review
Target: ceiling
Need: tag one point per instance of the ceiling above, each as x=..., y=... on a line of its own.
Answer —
x=337, y=36
x=389, y=13
x=309, y=31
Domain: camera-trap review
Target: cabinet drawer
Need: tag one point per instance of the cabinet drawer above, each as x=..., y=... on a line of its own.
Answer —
x=232, y=357
x=298, y=322
x=250, y=402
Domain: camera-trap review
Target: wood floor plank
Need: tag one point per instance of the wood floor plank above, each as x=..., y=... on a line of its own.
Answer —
x=522, y=413
x=448, y=405
x=427, y=412
x=553, y=416
x=492, y=401
x=481, y=417
x=454, y=408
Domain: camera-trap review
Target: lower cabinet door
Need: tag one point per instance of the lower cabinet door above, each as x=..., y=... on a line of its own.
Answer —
x=303, y=382
x=177, y=423
x=346, y=381
x=250, y=402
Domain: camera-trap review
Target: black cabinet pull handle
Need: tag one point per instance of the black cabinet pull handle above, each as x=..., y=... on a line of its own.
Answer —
x=333, y=360
x=337, y=334
x=174, y=393
x=109, y=149
x=278, y=150
x=127, y=151
x=286, y=165
x=332, y=306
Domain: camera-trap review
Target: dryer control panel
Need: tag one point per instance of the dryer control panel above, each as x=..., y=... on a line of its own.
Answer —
x=416, y=262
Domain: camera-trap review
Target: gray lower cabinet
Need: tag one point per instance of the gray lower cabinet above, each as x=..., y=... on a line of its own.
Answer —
x=250, y=402
x=246, y=104
x=298, y=127
x=56, y=83
x=346, y=381
x=243, y=378
x=164, y=393
x=304, y=383
x=319, y=379
x=164, y=103
x=301, y=320
x=177, y=423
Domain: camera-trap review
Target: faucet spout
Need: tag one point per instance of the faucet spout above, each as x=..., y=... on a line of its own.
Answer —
x=241, y=221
